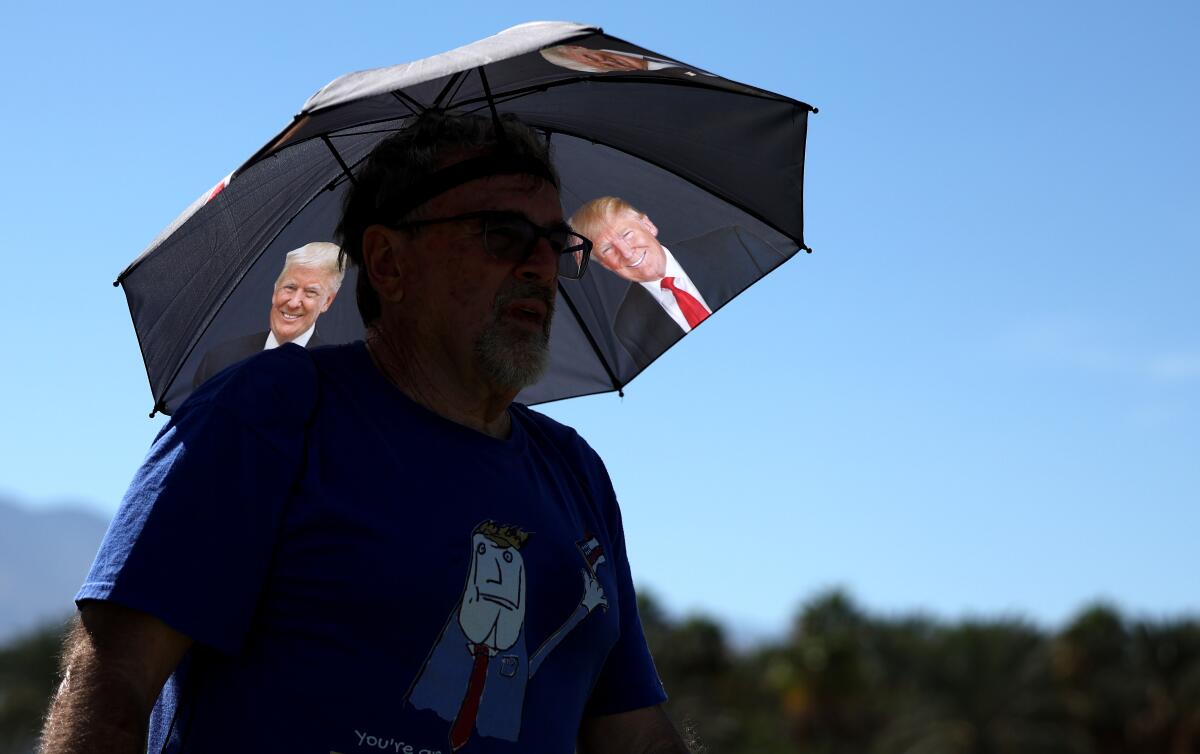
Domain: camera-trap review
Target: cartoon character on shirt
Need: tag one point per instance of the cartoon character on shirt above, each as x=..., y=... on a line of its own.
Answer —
x=482, y=645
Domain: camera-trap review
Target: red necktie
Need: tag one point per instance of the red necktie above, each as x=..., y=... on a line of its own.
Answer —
x=464, y=722
x=693, y=311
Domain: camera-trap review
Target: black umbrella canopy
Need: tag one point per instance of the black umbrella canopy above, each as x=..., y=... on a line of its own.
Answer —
x=718, y=166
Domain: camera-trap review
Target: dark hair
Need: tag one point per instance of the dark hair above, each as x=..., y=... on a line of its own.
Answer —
x=408, y=158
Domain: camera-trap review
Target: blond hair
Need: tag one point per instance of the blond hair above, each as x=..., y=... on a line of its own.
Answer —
x=588, y=219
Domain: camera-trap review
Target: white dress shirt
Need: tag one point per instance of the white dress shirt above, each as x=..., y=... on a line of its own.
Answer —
x=666, y=299
x=300, y=340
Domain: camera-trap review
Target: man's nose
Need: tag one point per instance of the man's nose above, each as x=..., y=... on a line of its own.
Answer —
x=296, y=300
x=624, y=248
x=542, y=263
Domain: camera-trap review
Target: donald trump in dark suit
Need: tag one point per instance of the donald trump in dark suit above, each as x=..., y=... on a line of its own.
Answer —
x=671, y=290
x=304, y=290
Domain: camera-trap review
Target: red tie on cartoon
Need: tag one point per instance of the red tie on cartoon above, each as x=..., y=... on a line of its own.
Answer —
x=693, y=311
x=464, y=723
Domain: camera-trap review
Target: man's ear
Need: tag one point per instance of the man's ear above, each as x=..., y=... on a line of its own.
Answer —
x=645, y=220
x=382, y=261
x=328, y=302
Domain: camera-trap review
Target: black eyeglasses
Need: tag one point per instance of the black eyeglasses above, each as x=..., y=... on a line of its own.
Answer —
x=511, y=236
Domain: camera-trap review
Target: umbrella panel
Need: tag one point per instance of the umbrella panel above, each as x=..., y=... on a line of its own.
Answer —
x=586, y=354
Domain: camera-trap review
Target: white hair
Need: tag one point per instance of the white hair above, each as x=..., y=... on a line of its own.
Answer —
x=320, y=255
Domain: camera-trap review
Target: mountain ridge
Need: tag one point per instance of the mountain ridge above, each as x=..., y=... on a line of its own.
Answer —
x=45, y=554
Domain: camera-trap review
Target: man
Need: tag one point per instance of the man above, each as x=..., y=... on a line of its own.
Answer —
x=304, y=290
x=665, y=300
x=291, y=558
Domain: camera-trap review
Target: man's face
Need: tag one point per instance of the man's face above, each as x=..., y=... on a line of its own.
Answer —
x=301, y=295
x=627, y=244
x=602, y=61
x=493, y=606
x=485, y=318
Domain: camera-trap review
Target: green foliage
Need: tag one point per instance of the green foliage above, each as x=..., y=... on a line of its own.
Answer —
x=846, y=682
x=28, y=676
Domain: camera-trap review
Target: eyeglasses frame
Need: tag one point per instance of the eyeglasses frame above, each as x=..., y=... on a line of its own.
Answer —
x=583, y=250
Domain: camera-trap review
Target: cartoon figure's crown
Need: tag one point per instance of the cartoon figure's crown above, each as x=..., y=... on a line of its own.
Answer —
x=505, y=536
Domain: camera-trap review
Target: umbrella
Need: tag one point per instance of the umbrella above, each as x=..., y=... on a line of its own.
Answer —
x=718, y=167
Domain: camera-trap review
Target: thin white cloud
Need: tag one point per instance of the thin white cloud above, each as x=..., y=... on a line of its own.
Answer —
x=1066, y=342
x=1175, y=367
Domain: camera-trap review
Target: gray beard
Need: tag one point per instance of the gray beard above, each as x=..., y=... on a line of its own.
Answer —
x=511, y=357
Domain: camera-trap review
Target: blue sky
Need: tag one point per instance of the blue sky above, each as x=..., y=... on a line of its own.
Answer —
x=979, y=396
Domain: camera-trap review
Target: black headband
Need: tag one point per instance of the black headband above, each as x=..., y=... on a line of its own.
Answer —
x=496, y=163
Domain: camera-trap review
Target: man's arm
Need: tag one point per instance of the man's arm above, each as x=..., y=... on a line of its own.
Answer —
x=640, y=731
x=114, y=664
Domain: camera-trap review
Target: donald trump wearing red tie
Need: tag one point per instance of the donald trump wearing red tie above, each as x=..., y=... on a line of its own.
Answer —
x=686, y=287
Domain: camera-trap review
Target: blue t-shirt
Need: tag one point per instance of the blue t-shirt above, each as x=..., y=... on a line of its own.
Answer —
x=359, y=573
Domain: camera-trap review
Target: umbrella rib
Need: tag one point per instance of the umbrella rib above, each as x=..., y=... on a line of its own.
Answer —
x=498, y=100
x=457, y=89
x=348, y=172
x=501, y=137
x=413, y=106
x=342, y=163
x=437, y=101
x=612, y=378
